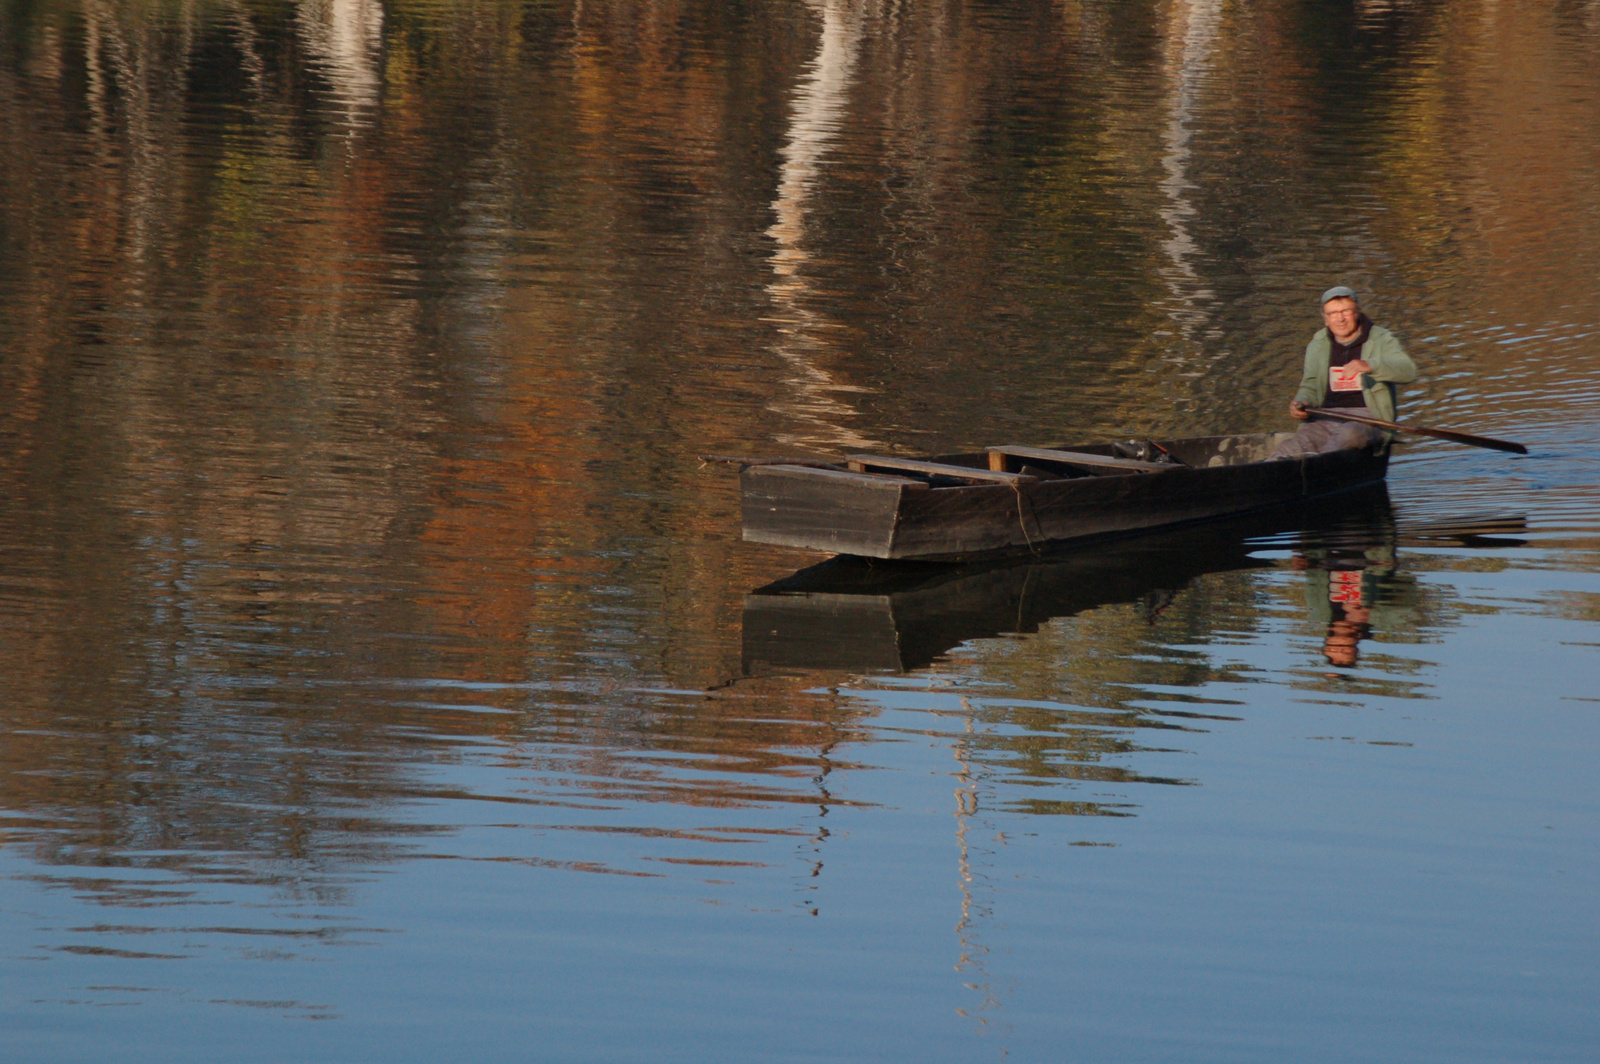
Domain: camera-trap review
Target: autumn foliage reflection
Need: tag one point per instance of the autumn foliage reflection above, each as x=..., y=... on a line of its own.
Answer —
x=356, y=354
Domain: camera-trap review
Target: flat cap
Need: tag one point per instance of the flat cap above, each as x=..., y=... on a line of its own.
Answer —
x=1339, y=291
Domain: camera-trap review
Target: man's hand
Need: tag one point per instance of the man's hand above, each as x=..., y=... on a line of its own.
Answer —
x=1358, y=365
x=1297, y=410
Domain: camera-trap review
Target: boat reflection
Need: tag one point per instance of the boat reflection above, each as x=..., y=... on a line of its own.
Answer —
x=871, y=616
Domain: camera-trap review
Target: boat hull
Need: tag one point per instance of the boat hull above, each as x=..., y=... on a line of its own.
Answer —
x=900, y=517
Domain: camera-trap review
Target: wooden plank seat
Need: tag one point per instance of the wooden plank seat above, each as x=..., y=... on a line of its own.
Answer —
x=1099, y=462
x=825, y=472
x=862, y=463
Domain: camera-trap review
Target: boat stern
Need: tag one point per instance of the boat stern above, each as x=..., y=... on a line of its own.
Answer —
x=822, y=509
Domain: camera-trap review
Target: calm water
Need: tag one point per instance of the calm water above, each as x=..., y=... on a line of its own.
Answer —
x=382, y=677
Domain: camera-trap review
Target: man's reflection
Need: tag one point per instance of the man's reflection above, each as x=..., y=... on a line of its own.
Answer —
x=1342, y=586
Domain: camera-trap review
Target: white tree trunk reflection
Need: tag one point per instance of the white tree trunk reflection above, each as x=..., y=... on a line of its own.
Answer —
x=819, y=110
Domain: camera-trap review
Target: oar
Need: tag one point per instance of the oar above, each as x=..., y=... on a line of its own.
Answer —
x=1440, y=434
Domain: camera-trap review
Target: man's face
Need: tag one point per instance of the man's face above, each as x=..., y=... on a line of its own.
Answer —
x=1341, y=316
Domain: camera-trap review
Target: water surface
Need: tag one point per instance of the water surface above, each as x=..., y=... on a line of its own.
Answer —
x=382, y=675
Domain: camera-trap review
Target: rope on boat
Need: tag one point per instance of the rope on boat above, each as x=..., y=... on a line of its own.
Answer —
x=1022, y=522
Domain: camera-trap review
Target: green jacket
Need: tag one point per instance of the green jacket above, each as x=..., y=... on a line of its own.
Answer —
x=1390, y=366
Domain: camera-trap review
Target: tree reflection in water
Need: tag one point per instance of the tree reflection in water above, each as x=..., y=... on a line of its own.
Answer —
x=355, y=357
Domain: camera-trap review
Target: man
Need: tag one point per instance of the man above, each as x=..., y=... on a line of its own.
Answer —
x=1351, y=365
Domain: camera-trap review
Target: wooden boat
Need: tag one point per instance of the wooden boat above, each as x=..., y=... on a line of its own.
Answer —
x=1018, y=498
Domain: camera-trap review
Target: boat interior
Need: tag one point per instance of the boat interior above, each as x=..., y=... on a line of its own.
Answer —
x=1014, y=464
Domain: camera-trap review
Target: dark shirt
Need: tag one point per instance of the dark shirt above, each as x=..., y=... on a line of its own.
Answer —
x=1338, y=355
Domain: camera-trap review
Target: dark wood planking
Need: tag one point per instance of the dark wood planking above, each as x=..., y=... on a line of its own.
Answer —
x=822, y=509
x=860, y=463
x=998, y=456
x=881, y=516
x=856, y=477
x=977, y=521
